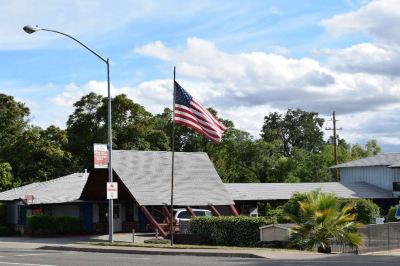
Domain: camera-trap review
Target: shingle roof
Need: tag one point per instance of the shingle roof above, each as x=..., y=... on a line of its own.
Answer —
x=60, y=190
x=147, y=174
x=284, y=191
x=383, y=159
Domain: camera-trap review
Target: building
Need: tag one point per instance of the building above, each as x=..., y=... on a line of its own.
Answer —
x=144, y=185
x=144, y=181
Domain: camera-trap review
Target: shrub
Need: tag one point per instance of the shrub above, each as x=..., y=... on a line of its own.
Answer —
x=366, y=211
x=5, y=231
x=277, y=215
x=228, y=231
x=391, y=214
x=292, y=206
x=54, y=225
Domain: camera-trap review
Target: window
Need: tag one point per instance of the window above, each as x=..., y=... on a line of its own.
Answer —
x=184, y=215
x=203, y=213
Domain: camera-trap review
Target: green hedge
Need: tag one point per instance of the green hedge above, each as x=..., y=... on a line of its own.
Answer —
x=42, y=225
x=227, y=230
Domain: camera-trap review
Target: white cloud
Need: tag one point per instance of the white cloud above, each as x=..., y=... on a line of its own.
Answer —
x=245, y=87
x=379, y=19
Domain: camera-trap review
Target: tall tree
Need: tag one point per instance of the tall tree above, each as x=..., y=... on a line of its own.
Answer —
x=133, y=127
x=39, y=155
x=13, y=121
x=297, y=128
x=6, y=178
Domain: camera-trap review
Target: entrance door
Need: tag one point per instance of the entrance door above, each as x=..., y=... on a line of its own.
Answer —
x=117, y=218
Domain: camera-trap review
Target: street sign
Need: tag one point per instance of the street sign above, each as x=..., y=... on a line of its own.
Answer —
x=112, y=190
x=379, y=220
x=397, y=215
x=100, y=152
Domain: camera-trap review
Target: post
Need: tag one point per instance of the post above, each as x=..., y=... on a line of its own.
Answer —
x=335, y=145
x=133, y=235
x=172, y=166
x=110, y=169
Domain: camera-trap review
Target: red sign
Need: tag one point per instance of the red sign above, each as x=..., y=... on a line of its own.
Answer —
x=37, y=211
x=100, y=155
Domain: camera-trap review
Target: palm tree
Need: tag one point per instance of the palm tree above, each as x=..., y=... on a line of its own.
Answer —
x=322, y=221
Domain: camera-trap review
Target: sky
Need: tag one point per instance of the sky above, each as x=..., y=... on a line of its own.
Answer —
x=243, y=58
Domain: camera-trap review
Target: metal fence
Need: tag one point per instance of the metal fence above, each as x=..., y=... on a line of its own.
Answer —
x=184, y=227
x=378, y=237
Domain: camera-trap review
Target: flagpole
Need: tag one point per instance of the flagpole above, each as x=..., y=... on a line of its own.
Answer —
x=172, y=168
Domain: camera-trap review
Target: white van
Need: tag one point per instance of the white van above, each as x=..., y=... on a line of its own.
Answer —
x=184, y=215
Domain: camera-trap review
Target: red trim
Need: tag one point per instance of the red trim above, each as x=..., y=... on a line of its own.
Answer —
x=190, y=211
x=233, y=210
x=214, y=211
x=153, y=222
x=167, y=214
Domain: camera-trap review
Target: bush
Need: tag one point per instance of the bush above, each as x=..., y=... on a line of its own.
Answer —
x=227, y=230
x=5, y=231
x=366, y=210
x=391, y=214
x=292, y=206
x=277, y=215
x=42, y=225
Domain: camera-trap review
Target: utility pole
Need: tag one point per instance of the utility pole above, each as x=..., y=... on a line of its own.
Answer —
x=335, y=142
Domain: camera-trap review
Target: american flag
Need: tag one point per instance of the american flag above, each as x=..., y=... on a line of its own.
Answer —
x=191, y=113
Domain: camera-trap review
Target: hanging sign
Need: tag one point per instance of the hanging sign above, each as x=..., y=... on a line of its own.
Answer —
x=100, y=156
x=112, y=190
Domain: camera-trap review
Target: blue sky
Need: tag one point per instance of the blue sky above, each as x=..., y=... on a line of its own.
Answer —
x=244, y=58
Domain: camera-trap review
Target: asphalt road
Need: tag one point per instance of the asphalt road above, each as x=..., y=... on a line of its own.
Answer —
x=32, y=257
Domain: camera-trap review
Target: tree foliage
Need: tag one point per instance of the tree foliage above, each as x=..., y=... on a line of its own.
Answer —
x=291, y=147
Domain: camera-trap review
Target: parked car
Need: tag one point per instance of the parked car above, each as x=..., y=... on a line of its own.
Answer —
x=184, y=215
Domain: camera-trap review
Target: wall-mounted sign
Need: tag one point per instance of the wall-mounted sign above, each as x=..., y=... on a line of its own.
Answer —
x=100, y=152
x=112, y=190
x=29, y=198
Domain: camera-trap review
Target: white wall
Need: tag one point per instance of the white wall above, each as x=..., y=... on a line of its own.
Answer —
x=381, y=176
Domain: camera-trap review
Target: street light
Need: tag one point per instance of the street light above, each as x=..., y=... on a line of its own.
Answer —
x=32, y=29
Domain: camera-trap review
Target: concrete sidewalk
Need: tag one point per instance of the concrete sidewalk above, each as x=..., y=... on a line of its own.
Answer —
x=83, y=243
x=217, y=252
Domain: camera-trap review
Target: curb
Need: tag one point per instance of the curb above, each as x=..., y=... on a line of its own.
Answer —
x=153, y=252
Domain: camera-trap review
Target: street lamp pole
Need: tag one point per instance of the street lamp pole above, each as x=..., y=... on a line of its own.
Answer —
x=32, y=29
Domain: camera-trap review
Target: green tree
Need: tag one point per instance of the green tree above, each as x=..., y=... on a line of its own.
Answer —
x=133, y=127
x=6, y=177
x=13, y=121
x=39, y=155
x=322, y=221
x=297, y=128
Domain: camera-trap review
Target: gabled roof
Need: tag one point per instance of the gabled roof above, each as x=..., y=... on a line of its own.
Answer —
x=60, y=190
x=147, y=175
x=383, y=159
x=284, y=191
